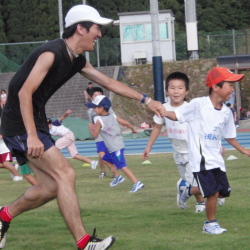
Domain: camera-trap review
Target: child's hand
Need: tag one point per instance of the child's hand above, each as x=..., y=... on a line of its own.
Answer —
x=134, y=131
x=69, y=111
x=246, y=152
x=145, y=154
x=223, y=151
x=91, y=126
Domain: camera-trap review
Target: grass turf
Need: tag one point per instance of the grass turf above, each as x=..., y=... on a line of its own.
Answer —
x=147, y=220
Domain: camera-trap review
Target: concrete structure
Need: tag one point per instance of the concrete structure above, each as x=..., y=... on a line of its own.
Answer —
x=136, y=37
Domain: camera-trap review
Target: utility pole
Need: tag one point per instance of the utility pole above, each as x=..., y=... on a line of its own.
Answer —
x=191, y=29
x=157, y=58
x=86, y=53
x=60, y=17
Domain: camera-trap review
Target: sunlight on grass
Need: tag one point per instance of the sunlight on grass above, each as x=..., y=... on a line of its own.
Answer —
x=147, y=220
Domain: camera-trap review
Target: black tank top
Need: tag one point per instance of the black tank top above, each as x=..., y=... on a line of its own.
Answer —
x=61, y=71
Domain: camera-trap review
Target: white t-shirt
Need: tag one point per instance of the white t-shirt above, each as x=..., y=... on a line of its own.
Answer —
x=57, y=129
x=177, y=132
x=206, y=127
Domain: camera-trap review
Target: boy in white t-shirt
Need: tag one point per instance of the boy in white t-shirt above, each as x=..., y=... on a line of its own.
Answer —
x=209, y=119
x=177, y=87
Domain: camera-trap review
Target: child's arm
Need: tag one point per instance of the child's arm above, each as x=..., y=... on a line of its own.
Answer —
x=171, y=115
x=94, y=129
x=154, y=134
x=65, y=115
x=126, y=123
x=236, y=145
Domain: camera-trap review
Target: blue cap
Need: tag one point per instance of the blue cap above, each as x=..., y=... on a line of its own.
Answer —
x=100, y=101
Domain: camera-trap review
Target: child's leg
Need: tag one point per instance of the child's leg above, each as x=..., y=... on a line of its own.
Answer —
x=102, y=162
x=189, y=177
x=10, y=167
x=31, y=179
x=112, y=168
x=82, y=158
x=129, y=174
x=211, y=206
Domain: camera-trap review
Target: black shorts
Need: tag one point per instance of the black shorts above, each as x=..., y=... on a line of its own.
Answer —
x=18, y=145
x=213, y=181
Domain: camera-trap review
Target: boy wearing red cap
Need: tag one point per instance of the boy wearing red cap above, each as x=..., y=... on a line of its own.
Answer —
x=209, y=119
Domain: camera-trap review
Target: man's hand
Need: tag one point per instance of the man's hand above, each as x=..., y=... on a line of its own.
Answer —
x=35, y=147
x=157, y=108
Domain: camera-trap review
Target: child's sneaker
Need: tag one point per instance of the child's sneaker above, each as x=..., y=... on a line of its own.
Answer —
x=137, y=186
x=221, y=201
x=102, y=175
x=200, y=207
x=213, y=228
x=16, y=166
x=117, y=180
x=17, y=178
x=182, y=193
x=94, y=164
x=3, y=229
x=95, y=243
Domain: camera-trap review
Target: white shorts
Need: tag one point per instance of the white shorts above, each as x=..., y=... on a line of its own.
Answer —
x=181, y=160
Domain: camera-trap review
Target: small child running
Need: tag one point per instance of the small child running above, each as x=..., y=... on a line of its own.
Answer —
x=209, y=119
x=100, y=145
x=177, y=87
x=107, y=125
x=67, y=139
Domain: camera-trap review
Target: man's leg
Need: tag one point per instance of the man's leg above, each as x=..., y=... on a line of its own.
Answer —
x=56, y=178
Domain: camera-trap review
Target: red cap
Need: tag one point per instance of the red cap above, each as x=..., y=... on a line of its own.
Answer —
x=220, y=74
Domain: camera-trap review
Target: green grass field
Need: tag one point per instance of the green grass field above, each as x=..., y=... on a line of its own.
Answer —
x=147, y=220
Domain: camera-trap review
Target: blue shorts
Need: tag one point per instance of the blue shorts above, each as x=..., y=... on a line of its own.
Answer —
x=117, y=158
x=213, y=181
x=101, y=147
x=18, y=145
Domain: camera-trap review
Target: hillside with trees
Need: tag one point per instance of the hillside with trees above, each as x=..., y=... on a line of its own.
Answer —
x=35, y=20
x=38, y=21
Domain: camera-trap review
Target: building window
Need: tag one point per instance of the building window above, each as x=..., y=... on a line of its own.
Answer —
x=143, y=32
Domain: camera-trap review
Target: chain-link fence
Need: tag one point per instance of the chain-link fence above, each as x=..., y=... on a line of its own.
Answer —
x=108, y=52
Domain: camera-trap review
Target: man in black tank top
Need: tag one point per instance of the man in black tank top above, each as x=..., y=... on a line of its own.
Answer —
x=24, y=124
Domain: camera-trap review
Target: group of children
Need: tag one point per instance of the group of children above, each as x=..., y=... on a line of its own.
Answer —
x=195, y=130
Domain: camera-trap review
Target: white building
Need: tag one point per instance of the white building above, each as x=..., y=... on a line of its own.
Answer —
x=136, y=37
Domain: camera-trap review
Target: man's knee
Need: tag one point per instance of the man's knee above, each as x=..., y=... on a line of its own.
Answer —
x=67, y=173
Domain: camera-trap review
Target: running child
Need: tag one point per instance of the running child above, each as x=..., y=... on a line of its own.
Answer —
x=209, y=119
x=100, y=145
x=67, y=139
x=177, y=87
x=106, y=124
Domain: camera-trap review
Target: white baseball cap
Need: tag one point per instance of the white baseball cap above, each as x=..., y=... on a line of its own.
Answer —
x=100, y=101
x=82, y=12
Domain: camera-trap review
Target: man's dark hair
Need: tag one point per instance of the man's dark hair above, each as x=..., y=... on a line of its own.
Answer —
x=96, y=89
x=179, y=76
x=68, y=32
x=90, y=83
x=220, y=84
x=228, y=104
